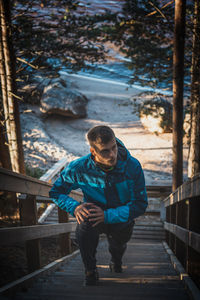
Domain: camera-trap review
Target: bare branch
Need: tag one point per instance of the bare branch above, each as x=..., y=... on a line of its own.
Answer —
x=159, y=10
x=29, y=64
x=15, y=96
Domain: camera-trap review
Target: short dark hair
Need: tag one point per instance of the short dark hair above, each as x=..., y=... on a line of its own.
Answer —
x=100, y=134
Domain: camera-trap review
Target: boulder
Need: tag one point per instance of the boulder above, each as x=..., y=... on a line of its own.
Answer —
x=60, y=98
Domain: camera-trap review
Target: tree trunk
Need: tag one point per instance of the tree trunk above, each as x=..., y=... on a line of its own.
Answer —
x=11, y=110
x=4, y=151
x=194, y=153
x=178, y=77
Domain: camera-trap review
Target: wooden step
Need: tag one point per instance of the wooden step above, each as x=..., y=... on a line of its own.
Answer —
x=147, y=274
x=148, y=227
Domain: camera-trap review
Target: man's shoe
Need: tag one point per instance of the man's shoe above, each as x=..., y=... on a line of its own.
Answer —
x=91, y=277
x=115, y=267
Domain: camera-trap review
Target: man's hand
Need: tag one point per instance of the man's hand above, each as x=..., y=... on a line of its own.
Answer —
x=96, y=215
x=81, y=212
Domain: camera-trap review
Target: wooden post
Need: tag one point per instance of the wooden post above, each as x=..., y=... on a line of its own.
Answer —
x=187, y=202
x=28, y=216
x=170, y=221
x=176, y=222
x=64, y=238
x=178, y=77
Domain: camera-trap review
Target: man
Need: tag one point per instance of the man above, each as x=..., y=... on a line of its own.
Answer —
x=113, y=186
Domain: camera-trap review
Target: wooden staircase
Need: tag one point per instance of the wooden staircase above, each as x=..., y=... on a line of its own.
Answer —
x=148, y=271
x=149, y=227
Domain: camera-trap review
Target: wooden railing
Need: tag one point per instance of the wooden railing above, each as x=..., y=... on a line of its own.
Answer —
x=30, y=232
x=38, y=190
x=183, y=226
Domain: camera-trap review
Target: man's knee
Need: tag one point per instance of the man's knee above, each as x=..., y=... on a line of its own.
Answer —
x=85, y=226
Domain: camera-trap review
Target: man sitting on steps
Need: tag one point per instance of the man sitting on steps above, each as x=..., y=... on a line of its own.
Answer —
x=112, y=182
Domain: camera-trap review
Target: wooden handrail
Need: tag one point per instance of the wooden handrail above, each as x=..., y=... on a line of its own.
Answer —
x=31, y=232
x=183, y=235
x=25, y=233
x=14, y=182
x=54, y=170
x=189, y=189
x=190, y=238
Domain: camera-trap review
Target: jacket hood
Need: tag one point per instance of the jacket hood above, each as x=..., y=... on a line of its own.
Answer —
x=122, y=156
x=123, y=153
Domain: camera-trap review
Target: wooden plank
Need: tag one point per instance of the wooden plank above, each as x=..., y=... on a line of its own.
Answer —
x=158, y=191
x=28, y=210
x=159, y=188
x=194, y=241
x=77, y=195
x=24, y=233
x=14, y=182
x=178, y=231
x=54, y=170
x=189, y=189
x=11, y=181
x=182, y=234
x=190, y=238
x=39, y=199
x=74, y=194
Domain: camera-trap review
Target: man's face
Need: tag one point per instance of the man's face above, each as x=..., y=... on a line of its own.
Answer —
x=105, y=153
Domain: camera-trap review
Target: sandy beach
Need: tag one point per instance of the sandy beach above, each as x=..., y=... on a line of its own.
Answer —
x=48, y=139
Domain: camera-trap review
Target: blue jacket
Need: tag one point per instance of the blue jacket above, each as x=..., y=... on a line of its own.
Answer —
x=120, y=193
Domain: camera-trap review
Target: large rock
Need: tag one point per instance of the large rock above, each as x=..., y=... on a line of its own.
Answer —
x=156, y=115
x=60, y=98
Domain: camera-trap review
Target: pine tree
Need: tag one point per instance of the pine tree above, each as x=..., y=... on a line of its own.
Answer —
x=194, y=153
x=9, y=92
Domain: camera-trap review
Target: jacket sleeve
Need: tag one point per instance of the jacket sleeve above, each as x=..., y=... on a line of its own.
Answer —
x=137, y=204
x=61, y=189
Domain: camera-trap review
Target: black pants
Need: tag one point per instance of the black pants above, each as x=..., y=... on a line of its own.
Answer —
x=87, y=237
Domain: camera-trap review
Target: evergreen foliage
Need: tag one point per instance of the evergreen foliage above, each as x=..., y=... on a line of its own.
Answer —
x=145, y=33
x=50, y=35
